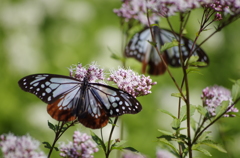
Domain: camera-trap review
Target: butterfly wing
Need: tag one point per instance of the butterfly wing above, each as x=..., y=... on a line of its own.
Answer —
x=116, y=102
x=69, y=99
x=173, y=54
x=139, y=48
x=60, y=92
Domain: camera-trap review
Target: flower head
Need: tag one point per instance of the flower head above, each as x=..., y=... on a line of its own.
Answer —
x=20, y=147
x=129, y=81
x=225, y=6
x=81, y=146
x=213, y=97
x=137, y=10
x=93, y=72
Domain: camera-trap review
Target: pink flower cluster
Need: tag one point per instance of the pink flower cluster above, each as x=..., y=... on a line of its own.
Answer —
x=213, y=97
x=225, y=6
x=20, y=147
x=93, y=72
x=129, y=81
x=137, y=9
x=80, y=147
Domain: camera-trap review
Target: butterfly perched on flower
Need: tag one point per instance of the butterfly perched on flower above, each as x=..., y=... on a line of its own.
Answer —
x=140, y=49
x=69, y=99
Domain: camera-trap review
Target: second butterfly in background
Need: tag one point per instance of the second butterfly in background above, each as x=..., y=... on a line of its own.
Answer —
x=140, y=49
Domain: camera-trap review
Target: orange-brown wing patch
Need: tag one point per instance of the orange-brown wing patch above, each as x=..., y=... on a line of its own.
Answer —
x=60, y=114
x=157, y=69
x=91, y=122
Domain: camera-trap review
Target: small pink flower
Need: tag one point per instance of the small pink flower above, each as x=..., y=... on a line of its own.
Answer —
x=213, y=97
x=129, y=81
x=20, y=147
x=81, y=147
x=93, y=72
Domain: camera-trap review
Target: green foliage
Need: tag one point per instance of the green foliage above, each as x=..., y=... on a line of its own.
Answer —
x=169, y=45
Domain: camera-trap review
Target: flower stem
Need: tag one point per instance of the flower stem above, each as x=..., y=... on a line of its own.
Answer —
x=108, y=150
x=58, y=133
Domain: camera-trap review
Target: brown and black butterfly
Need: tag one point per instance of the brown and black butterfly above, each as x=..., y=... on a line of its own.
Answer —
x=140, y=48
x=69, y=99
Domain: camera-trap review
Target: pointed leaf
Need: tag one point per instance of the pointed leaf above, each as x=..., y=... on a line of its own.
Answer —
x=169, y=45
x=183, y=114
x=204, y=151
x=222, y=108
x=192, y=59
x=176, y=124
x=202, y=110
x=152, y=43
x=167, y=112
x=166, y=142
x=236, y=90
x=204, y=136
x=47, y=145
x=163, y=132
x=193, y=123
x=214, y=145
x=131, y=149
x=98, y=140
x=178, y=95
x=51, y=126
x=117, y=144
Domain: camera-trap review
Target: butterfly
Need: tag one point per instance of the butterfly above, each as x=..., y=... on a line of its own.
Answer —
x=69, y=99
x=139, y=48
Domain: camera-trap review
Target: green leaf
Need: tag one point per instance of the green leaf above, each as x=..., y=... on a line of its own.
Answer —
x=169, y=45
x=222, y=108
x=204, y=136
x=214, y=145
x=199, y=63
x=166, y=142
x=98, y=140
x=202, y=110
x=131, y=149
x=117, y=57
x=168, y=113
x=51, y=126
x=117, y=144
x=154, y=25
x=176, y=124
x=47, y=145
x=193, y=123
x=204, y=151
x=178, y=95
x=236, y=90
x=183, y=113
x=163, y=132
x=56, y=148
x=191, y=60
x=152, y=43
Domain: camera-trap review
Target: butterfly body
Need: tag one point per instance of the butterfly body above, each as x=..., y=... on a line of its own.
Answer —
x=140, y=49
x=69, y=99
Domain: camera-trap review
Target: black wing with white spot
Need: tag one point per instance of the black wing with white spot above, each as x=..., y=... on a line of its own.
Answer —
x=116, y=102
x=173, y=54
x=50, y=87
x=140, y=49
x=69, y=99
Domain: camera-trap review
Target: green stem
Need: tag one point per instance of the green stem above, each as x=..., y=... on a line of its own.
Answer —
x=108, y=150
x=59, y=132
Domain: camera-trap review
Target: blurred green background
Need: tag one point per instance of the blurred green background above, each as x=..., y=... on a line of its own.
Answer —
x=48, y=36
